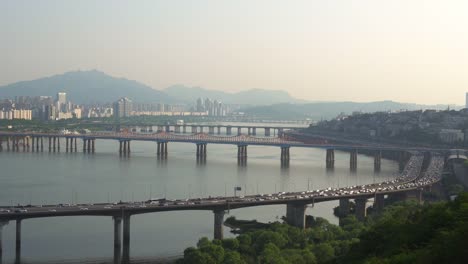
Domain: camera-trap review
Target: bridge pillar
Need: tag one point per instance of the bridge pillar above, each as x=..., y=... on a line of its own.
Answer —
x=184, y=129
x=93, y=145
x=8, y=144
x=58, y=144
x=125, y=146
x=280, y=132
x=284, y=156
x=228, y=130
x=360, y=208
x=194, y=129
x=219, y=130
x=18, y=240
x=177, y=129
x=295, y=214
x=55, y=143
x=379, y=202
x=24, y=144
x=353, y=160
x=1, y=144
x=330, y=159
x=201, y=129
x=239, y=131
x=50, y=143
x=158, y=149
x=128, y=147
x=126, y=239
x=117, y=238
x=33, y=139
x=398, y=196
x=168, y=129
x=88, y=148
x=66, y=144
x=120, y=147
x=377, y=160
x=249, y=131
x=343, y=209
x=254, y=131
x=2, y=224
x=211, y=130
x=267, y=132
x=42, y=144
x=218, y=224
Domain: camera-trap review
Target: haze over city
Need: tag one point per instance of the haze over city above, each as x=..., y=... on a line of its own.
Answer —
x=407, y=51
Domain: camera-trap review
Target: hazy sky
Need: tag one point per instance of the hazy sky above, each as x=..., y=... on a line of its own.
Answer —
x=358, y=50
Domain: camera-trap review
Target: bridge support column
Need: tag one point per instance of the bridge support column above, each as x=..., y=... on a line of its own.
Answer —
x=168, y=129
x=267, y=132
x=249, y=129
x=228, y=130
x=55, y=143
x=398, y=197
x=184, y=129
x=330, y=159
x=8, y=144
x=284, y=156
x=89, y=145
x=117, y=238
x=194, y=129
x=280, y=132
x=239, y=131
x=66, y=144
x=377, y=160
x=58, y=144
x=93, y=145
x=353, y=160
x=201, y=129
x=219, y=130
x=120, y=147
x=42, y=144
x=211, y=130
x=254, y=131
x=360, y=208
x=50, y=143
x=379, y=202
x=18, y=241
x=1, y=144
x=343, y=209
x=128, y=147
x=295, y=215
x=126, y=239
x=33, y=140
x=2, y=224
x=218, y=224
x=158, y=149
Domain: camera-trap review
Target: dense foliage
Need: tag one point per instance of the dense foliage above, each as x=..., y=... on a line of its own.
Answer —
x=403, y=233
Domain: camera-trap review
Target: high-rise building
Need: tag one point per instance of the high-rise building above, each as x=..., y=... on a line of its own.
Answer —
x=62, y=98
x=123, y=107
x=466, y=100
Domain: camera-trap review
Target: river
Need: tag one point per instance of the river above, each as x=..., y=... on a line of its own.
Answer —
x=50, y=178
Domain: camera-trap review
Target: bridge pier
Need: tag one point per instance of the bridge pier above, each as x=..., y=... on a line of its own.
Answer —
x=295, y=215
x=242, y=151
x=2, y=224
x=267, y=132
x=50, y=143
x=194, y=129
x=184, y=129
x=177, y=129
x=201, y=129
x=330, y=159
x=284, y=156
x=201, y=150
x=42, y=144
x=89, y=145
x=1, y=144
x=218, y=224
x=249, y=131
x=343, y=209
x=211, y=130
x=360, y=208
x=219, y=130
x=377, y=160
x=117, y=238
x=239, y=131
x=379, y=202
x=168, y=129
x=353, y=160
x=254, y=131
x=228, y=130
x=126, y=239
x=66, y=144
x=55, y=143
x=8, y=144
x=58, y=144
x=18, y=241
x=93, y=145
x=33, y=141
x=280, y=132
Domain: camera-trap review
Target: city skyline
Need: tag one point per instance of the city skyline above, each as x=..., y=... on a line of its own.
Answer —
x=319, y=51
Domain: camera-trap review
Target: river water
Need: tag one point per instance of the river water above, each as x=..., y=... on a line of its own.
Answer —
x=50, y=178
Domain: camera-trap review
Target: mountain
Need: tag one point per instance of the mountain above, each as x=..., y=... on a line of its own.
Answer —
x=327, y=110
x=86, y=87
x=248, y=97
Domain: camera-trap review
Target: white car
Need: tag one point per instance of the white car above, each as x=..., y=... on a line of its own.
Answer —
x=83, y=208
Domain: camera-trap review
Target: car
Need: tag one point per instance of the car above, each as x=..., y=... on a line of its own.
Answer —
x=83, y=208
x=52, y=210
x=4, y=211
x=107, y=207
x=21, y=211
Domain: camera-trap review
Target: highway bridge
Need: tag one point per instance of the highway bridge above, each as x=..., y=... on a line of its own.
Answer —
x=411, y=181
x=34, y=142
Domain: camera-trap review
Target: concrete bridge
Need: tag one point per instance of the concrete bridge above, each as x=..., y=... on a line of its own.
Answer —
x=53, y=142
x=410, y=182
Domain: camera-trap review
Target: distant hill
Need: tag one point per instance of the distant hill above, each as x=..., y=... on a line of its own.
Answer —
x=86, y=87
x=248, y=97
x=327, y=110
